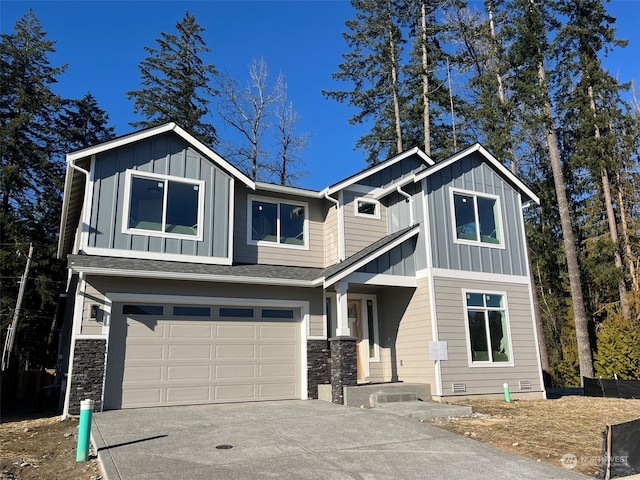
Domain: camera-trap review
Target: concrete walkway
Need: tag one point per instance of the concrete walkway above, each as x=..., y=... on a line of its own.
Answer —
x=298, y=440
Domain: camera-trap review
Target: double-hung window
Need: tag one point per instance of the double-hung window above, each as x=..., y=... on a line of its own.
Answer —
x=163, y=206
x=476, y=218
x=276, y=222
x=487, y=328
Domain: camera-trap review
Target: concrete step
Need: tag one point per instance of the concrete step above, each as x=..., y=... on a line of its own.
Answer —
x=376, y=399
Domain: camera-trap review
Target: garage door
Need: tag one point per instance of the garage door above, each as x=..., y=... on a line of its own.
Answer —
x=181, y=355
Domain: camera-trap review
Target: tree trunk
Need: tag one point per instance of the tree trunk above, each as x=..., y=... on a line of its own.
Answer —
x=579, y=312
x=628, y=254
x=394, y=86
x=611, y=217
x=537, y=315
x=425, y=82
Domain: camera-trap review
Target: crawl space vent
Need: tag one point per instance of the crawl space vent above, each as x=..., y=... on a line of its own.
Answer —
x=525, y=384
x=459, y=387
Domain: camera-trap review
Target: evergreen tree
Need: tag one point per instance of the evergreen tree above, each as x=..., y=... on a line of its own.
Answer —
x=588, y=100
x=83, y=123
x=31, y=173
x=372, y=68
x=176, y=82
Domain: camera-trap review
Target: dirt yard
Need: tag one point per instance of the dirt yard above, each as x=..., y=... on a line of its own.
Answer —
x=42, y=448
x=546, y=430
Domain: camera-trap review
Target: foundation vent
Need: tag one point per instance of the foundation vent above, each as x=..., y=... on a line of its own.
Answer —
x=459, y=387
x=525, y=384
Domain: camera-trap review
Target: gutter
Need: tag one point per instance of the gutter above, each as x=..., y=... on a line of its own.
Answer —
x=410, y=200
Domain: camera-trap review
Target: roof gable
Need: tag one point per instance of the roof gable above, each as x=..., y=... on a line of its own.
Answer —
x=153, y=131
x=377, y=168
x=503, y=171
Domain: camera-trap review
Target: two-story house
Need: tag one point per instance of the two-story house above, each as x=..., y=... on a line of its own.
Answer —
x=190, y=283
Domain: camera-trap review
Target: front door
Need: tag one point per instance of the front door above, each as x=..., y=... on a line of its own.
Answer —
x=356, y=326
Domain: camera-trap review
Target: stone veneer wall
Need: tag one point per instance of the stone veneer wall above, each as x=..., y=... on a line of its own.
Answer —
x=343, y=366
x=88, y=373
x=318, y=366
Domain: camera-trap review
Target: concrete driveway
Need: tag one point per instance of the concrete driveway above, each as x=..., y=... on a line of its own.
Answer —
x=296, y=440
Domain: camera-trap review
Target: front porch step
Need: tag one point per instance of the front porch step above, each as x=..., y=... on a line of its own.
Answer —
x=372, y=395
x=378, y=398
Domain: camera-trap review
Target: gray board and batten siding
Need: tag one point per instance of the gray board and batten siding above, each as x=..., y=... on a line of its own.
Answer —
x=473, y=174
x=165, y=154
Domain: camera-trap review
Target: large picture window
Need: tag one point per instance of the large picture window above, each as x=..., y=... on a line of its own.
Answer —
x=279, y=223
x=164, y=206
x=488, y=328
x=476, y=218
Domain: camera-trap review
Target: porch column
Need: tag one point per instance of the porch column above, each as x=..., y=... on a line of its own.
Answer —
x=343, y=349
x=342, y=320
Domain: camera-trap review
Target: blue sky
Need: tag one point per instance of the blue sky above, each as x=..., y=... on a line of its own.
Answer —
x=103, y=42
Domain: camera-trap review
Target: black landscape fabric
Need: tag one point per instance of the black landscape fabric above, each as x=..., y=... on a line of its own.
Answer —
x=625, y=449
x=602, y=387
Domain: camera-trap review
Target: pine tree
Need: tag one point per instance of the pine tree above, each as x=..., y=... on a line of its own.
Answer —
x=589, y=102
x=372, y=67
x=31, y=173
x=176, y=82
x=83, y=123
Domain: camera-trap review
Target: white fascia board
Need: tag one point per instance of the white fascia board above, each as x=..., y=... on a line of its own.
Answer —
x=150, y=132
x=504, y=171
x=201, y=277
x=363, y=261
x=300, y=192
x=68, y=179
x=381, y=166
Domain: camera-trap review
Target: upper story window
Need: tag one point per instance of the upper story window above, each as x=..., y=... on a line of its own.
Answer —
x=277, y=222
x=488, y=328
x=364, y=207
x=163, y=206
x=476, y=218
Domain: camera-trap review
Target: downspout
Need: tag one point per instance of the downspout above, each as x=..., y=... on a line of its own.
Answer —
x=410, y=200
x=340, y=222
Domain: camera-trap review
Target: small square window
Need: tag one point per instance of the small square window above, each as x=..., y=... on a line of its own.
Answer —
x=367, y=208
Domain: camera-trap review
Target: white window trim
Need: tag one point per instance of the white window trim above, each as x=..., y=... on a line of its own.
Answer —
x=500, y=226
x=367, y=200
x=473, y=364
x=277, y=201
x=154, y=233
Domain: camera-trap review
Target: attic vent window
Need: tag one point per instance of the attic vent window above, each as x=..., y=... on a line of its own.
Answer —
x=367, y=208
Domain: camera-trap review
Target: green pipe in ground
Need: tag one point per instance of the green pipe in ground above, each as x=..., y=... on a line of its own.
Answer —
x=507, y=395
x=84, y=431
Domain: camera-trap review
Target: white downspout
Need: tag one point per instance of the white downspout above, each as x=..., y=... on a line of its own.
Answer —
x=410, y=199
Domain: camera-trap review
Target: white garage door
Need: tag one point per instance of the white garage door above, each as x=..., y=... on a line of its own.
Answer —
x=181, y=355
